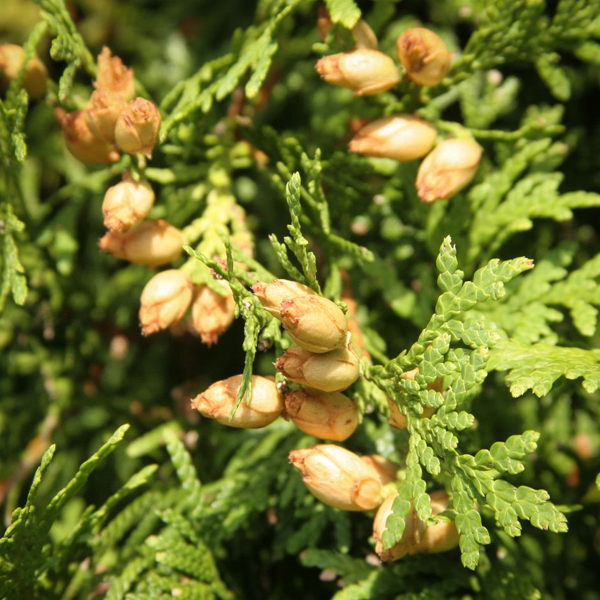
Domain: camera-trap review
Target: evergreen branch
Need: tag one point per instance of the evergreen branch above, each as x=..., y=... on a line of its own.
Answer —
x=67, y=45
x=536, y=367
x=183, y=464
x=344, y=12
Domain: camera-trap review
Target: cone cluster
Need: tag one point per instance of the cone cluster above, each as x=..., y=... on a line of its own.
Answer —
x=322, y=361
x=113, y=121
x=450, y=165
x=324, y=364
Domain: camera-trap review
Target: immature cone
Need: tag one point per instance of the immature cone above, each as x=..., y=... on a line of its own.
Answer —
x=330, y=372
x=152, y=243
x=364, y=36
x=212, y=313
x=418, y=538
x=81, y=142
x=326, y=416
x=424, y=56
x=397, y=418
x=448, y=169
x=218, y=401
x=314, y=323
x=338, y=477
x=114, y=76
x=12, y=58
x=402, y=138
x=386, y=469
x=137, y=127
x=102, y=113
x=126, y=204
x=271, y=295
x=165, y=299
x=366, y=72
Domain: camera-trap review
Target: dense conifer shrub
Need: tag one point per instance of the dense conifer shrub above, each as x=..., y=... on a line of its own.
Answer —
x=288, y=287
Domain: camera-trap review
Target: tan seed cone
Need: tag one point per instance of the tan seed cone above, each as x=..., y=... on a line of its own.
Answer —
x=271, y=295
x=152, y=243
x=126, y=204
x=218, y=400
x=386, y=469
x=366, y=72
x=402, y=137
x=330, y=372
x=164, y=301
x=338, y=477
x=102, y=113
x=137, y=127
x=314, y=323
x=449, y=168
x=326, y=416
x=12, y=58
x=212, y=313
x=114, y=76
x=81, y=142
x=424, y=56
x=418, y=538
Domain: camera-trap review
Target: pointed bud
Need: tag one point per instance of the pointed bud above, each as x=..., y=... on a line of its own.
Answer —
x=212, y=313
x=114, y=76
x=127, y=204
x=326, y=416
x=424, y=56
x=271, y=295
x=449, y=168
x=324, y=23
x=314, y=323
x=402, y=138
x=219, y=399
x=338, y=477
x=164, y=301
x=152, y=243
x=386, y=469
x=102, y=113
x=80, y=141
x=364, y=36
x=418, y=538
x=330, y=372
x=365, y=72
x=137, y=127
x=12, y=58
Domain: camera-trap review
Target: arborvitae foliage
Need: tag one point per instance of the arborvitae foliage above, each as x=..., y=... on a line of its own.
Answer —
x=113, y=487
